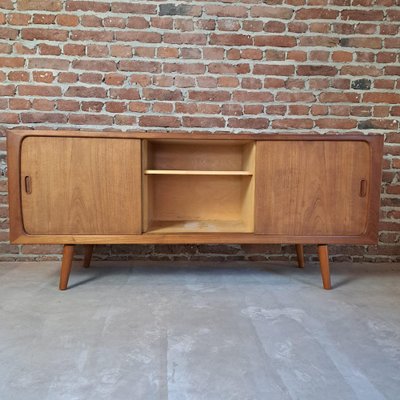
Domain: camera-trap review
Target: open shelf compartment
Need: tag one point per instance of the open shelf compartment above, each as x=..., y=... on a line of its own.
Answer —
x=198, y=186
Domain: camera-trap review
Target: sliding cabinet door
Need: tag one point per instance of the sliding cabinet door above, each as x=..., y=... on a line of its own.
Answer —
x=81, y=185
x=312, y=188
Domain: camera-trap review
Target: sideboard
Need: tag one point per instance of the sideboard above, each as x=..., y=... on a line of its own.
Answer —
x=76, y=187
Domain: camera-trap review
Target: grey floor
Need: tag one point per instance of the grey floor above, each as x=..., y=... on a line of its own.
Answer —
x=196, y=331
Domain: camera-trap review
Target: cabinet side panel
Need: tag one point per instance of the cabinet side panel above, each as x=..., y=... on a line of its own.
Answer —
x=312, y=188
x=81, y=185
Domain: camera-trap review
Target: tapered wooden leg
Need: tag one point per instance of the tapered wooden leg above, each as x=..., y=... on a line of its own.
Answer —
x=324, y=265
x=300, y=255
x=88, y=255
x=66, y=264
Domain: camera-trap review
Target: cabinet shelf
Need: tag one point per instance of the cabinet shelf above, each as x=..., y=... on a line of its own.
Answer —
x=195, y=172
x=203, y=226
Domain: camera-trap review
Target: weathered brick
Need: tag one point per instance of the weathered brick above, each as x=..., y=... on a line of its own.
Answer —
x=45, y=5
x=180, y=9
x=159, y=121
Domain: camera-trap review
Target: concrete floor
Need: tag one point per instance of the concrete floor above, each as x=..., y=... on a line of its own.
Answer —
x=231, y=331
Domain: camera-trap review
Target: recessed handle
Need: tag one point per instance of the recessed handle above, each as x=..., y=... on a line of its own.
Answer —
x=363, y=187
x=28, y=184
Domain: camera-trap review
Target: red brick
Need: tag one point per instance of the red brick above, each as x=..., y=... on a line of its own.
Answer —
x=324, y=70
x=185, y=38
x=90, y=119
x=381, y=97
x=67, y=105
x=114, y=22
x=359, y=15
x=231, y=39
x=96, y=36
x=89, y=65
x=323, y=41
x=115, y=107
x=114, y=79
x=44, y=34
x=87, y=6
x=8, y=118
x=6, y=4
x=274, y=26
x=158, y=121
x=48, y=50
x=209, y=95
x=271, y=12
x=133, y=8
x=74, y=49
x=335, y=97
x=295, y=123
x=43, y=76
x=316, y=13
x=251, y=83
x=139, y=107
x=184, y=68
x=8, y=33
x=275, y=41
x=140, y=66
x=262, y=69
x=295, y=97
x=67, y=77
x=274, y=83
x=91, y=21
x=39, y=90
x=45, y=5
x=227, y=11
x=162, y=94
x=162, y=107
x=18, y=76
x=19, y=19
x=147, y=52
x=83, y=91
x=38, y=117
x=161, y=22
x=125, y=94
x=19, y=104
x=167, y=52
x=342, y=56
x=11, y=62
x=227, y=81
x=89, y=77
x=43, y=104
x=92, y=106
x=202, y=122
x=247, y=96
x=5, y=48
x=360, y=70
x=218, y=68
x=44, y=19
x=248, y=123
x=67, y=20
x=139, y=23
x=336, y=123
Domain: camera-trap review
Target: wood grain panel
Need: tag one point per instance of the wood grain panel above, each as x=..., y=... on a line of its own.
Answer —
x=312, y=188
x=81, y=185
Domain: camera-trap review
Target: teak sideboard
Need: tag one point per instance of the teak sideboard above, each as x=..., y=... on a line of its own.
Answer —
x=73, y=187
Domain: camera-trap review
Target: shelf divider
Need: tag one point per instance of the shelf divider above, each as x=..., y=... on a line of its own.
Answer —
x=195, y=172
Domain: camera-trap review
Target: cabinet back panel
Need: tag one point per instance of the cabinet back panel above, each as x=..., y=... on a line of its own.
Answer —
x=312, y=188
x=197, y=155
x=197, y=197
x=81, y=185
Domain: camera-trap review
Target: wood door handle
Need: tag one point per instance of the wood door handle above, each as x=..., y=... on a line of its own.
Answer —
x=363, y=187
x=28, y=184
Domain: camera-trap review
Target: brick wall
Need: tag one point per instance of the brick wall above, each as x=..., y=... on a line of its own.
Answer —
x=277, y=66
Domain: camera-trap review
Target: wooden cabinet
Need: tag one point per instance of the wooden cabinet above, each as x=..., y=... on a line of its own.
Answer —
x=92, y=188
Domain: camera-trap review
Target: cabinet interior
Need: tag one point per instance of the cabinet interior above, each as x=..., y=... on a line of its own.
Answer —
x=198, y=186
